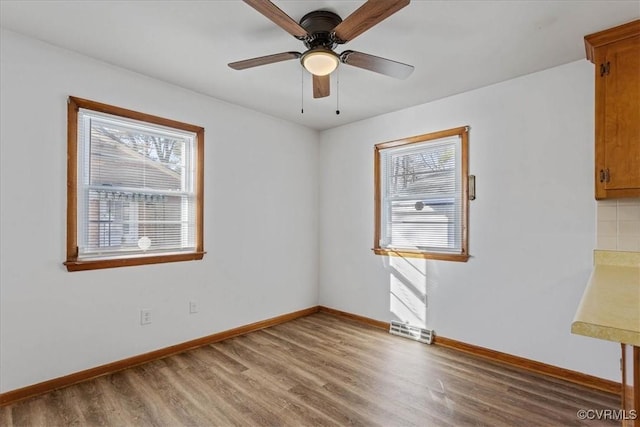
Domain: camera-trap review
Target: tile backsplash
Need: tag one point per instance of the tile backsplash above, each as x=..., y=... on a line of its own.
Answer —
x=618, y=224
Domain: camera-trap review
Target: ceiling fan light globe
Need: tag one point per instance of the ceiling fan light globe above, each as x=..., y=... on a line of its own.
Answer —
x=320, y=62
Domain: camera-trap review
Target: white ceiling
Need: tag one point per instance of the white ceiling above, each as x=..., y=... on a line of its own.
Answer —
x=455, y=46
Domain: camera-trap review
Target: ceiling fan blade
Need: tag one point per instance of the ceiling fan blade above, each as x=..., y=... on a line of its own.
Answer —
x=321, y=86
x=376, y=64
x=280, y=18
x=264, y=60
x=366, y=16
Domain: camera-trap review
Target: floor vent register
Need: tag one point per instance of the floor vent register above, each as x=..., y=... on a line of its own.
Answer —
x=412, y=332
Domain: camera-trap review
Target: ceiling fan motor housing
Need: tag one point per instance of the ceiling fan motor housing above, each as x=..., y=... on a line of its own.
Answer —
x=320, y=25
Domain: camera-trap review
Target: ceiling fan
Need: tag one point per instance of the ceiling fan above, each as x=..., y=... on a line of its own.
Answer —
x=321, y=31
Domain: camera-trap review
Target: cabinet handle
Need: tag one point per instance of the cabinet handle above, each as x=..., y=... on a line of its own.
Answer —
x=604, y=175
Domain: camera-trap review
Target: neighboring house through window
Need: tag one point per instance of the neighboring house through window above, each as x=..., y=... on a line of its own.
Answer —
x=135, y=191
x=421, y=193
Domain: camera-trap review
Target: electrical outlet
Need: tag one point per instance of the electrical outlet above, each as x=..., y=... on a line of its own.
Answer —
x=193, y=307
x=145, y=316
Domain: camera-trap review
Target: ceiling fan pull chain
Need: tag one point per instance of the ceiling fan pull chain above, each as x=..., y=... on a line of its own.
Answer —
x=302, y=91
x=337, y=91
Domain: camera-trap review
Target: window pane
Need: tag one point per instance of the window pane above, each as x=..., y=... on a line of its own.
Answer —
x=123, y=157
x=423, y=170
x=117, y=221
x=420, y=224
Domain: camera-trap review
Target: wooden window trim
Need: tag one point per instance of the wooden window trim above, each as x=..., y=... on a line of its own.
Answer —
x=72, y=263
x=463, y=132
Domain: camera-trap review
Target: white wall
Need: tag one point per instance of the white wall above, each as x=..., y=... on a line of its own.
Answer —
x=261, y=204
x=531, y=227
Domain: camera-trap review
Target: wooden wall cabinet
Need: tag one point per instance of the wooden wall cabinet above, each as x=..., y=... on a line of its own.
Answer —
x=616, y=55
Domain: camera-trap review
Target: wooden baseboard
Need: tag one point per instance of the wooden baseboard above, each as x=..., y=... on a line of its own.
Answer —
x=520, y=362
x=77, y=377
x=366, y=320
x=532, y=366
x=504, y=358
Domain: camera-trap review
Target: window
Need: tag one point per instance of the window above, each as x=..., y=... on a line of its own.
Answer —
x=421, y=194
x=135, y=188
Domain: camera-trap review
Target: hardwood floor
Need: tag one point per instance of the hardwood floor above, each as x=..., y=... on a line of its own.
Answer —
x=316, y=370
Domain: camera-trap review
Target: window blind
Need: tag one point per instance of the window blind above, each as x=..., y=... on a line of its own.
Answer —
x=136, y=188
x=422, y=196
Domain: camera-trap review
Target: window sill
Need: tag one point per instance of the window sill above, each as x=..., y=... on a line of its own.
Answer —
x=425, y=255
x=74, y=265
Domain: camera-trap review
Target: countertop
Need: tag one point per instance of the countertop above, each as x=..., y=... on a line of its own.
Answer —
x=610, y=305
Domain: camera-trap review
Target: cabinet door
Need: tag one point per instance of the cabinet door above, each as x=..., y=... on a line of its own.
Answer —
x=618, y=85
